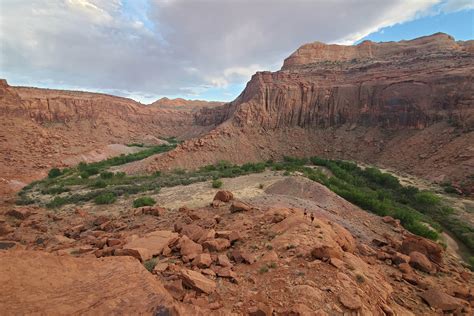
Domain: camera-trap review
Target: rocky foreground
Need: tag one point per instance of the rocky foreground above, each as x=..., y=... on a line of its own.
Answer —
x=271, y=255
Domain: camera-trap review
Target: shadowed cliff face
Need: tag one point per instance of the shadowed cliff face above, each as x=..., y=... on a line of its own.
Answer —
x=370, y=102
x=392, y=85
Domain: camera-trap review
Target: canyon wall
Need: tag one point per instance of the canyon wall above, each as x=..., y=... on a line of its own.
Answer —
x=45, y=128
x=407, y=105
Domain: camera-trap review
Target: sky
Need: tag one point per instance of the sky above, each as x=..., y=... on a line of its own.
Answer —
x=195, y=49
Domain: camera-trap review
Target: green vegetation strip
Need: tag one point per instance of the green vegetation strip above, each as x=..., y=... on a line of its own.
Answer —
x=369, y=188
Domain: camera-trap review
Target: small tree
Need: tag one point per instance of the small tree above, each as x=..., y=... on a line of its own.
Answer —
x=53, y=173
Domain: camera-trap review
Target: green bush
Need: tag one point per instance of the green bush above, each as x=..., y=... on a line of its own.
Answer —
x=150, y=264
x=99, y=184
x=57, y=202
x=144, y=201
x=106, y=175
x=105, y=198
x=54, y=173
x=426, y=199
x=55, y=190
x=216, y=183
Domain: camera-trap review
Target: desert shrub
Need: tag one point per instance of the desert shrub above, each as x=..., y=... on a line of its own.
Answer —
x=216, y=183
x=120, y=174
x=84, y=174
x=383, y=179
x=319, y=161
x=105, y=198
x=54, y=173
x=263, y=269
x=223, y=164
x=55, y=190
x=144, y=201
x=426, y=199
x=99, y=184
x=106, y=175
x=179, y=171
x=24, y=200
x=57, y=202
x=150, y=264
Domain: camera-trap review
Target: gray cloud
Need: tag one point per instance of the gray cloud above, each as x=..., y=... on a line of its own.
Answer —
x=174, y=47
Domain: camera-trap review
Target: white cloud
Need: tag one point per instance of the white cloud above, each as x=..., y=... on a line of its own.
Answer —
x=457, y=5
x=167, y=47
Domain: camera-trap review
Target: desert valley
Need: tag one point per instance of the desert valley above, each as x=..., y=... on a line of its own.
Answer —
x=341, y=184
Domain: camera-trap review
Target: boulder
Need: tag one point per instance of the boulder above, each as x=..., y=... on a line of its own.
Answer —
x=138, y=253
x=244, y=256
x=197, y=281
x=405, y=268
x=223, y=260
x=323, y=252
x=175, y=288
x=260, y=310
x=193, y=231
x=350, y=301
x=188, y=248
x=399, y=258
x=430, y=249
x=239, y=206
x=206, y=235
x=113, y=242
x=226, y=272
x=224, y=196
x=391, y=221
x=230, y=235
x=202, y=260
x=436, y=298
x=151, y=244
x=217, y=244
x=421, y=262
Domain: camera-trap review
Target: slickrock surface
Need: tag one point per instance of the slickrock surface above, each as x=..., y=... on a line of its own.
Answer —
x=35, y=282
x=408, y=105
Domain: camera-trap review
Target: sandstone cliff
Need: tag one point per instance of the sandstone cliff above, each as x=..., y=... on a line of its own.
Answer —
x=406, y=105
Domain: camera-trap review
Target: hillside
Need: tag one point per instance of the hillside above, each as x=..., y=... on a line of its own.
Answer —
x=407, y=105
x=45, y=128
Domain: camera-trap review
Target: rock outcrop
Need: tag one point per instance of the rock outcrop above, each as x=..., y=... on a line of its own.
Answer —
x=38, y=282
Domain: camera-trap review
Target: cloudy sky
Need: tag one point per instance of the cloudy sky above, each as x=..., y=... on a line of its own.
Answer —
x=198, y=49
